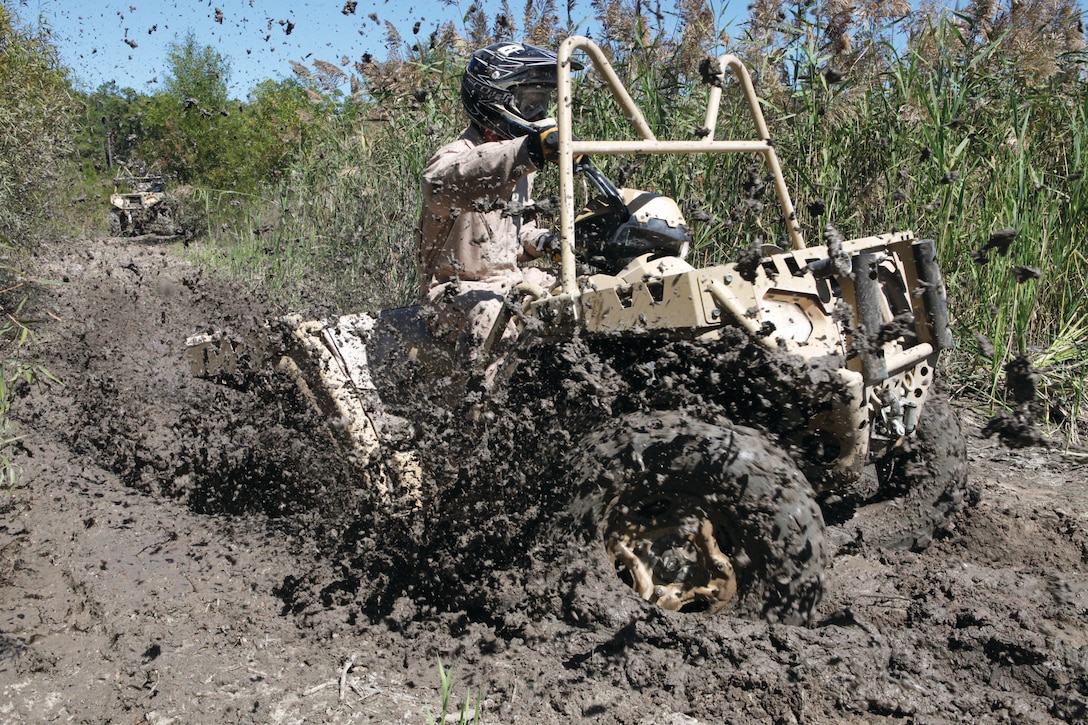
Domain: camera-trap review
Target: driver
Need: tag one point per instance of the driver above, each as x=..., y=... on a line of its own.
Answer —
x=477, y=224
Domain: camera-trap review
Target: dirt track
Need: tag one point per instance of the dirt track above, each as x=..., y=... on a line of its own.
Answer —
x=179, y=551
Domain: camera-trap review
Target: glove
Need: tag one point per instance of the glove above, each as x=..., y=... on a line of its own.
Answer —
x=548, y=245
x=544, y=145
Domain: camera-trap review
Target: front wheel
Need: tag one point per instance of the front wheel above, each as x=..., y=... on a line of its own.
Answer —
x=701, y=517
x=117, y=223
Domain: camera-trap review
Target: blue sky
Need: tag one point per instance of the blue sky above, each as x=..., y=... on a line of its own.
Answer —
x=96, y=37
x=128, y=41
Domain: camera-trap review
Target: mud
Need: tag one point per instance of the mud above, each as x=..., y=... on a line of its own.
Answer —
x=183, y=551
x=1019, y=427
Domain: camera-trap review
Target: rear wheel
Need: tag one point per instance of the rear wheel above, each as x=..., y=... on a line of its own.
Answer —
x=710, y=518
x=924, y=482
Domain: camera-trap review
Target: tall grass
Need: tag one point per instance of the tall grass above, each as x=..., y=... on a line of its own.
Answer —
x=945, y=137
x=36, y=109
x=36, y=112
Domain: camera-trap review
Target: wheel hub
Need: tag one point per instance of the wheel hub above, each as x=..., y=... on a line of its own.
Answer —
x=667, y=552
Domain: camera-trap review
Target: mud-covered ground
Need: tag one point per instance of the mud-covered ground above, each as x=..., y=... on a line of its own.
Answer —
x=181, y=551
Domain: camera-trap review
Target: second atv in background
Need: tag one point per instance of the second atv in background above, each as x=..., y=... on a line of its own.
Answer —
x=140, y=204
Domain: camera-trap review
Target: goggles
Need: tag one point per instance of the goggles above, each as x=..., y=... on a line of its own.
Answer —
x=532, y=102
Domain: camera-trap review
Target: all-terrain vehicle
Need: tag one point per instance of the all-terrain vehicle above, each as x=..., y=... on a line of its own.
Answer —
x=803, y=388
x=139, y=204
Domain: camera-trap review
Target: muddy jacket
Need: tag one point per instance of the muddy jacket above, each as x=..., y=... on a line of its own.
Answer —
x=471, y=227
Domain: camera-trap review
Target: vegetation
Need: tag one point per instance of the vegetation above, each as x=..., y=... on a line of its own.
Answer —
x=36, y=121
x=968, y=127
x=467, y=713
x=15, y=370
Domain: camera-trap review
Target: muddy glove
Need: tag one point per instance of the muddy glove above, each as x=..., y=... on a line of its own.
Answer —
x=544, y=145
x=549, y=245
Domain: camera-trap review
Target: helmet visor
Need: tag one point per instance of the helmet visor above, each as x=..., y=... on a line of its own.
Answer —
x=532, y=102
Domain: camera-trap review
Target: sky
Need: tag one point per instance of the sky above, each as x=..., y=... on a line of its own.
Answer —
x=127, y=41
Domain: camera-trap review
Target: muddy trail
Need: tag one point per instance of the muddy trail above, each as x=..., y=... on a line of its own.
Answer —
x=178, y=550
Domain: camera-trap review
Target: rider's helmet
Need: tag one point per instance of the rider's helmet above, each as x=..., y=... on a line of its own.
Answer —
x=508, y=86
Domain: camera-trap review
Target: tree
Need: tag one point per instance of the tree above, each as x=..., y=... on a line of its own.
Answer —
x=278, y=123
x=190, y=125
x=197, y=74
x=113, y=125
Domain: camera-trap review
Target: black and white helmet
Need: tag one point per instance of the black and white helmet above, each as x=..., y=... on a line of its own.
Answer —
x=508, y=86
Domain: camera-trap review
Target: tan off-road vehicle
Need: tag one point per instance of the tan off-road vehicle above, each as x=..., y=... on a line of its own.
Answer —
x=140, y=204
x=807, y=380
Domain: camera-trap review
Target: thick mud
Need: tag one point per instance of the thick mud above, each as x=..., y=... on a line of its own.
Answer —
x=178, y=550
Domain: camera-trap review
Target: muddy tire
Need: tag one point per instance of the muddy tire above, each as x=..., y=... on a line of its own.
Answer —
x=116, y=223
x=164, y=223
x=687, y=510
x=924, y=483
